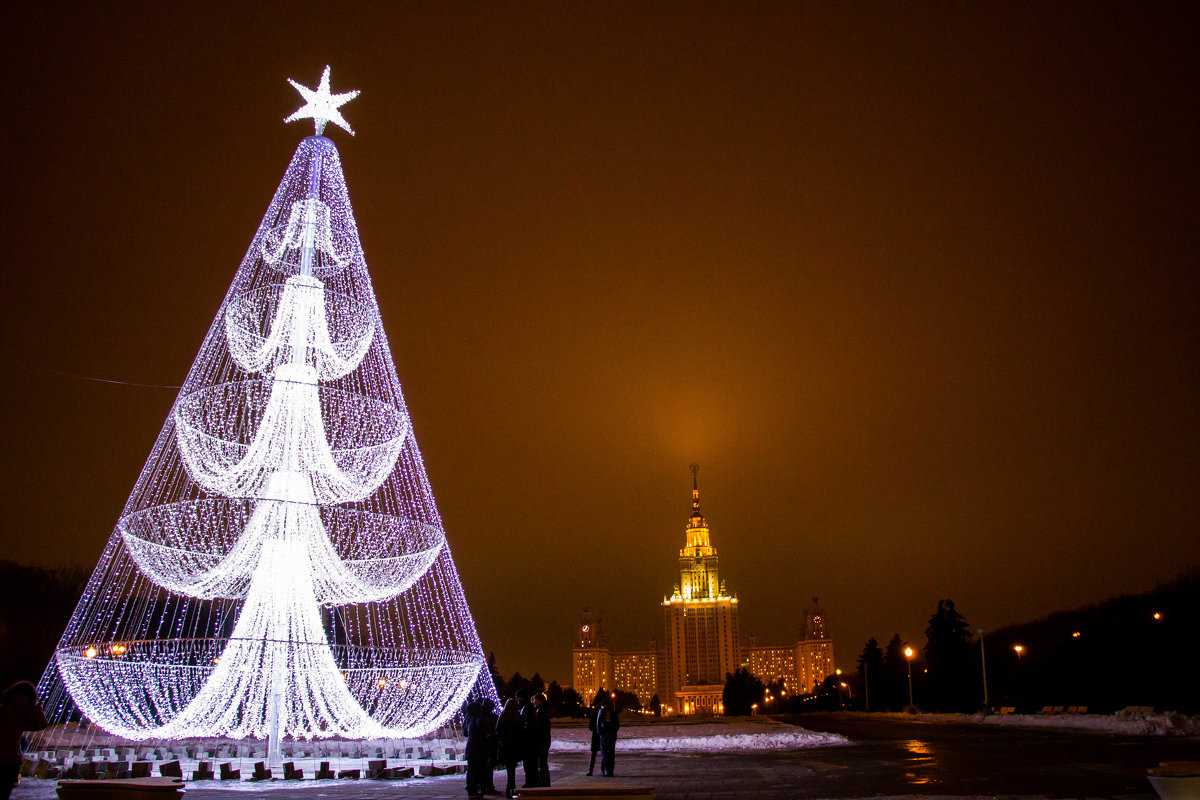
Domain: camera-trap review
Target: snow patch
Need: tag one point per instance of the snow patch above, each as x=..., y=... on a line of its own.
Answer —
x=710, y=737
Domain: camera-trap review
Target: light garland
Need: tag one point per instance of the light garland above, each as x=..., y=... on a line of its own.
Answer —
x=280, y=568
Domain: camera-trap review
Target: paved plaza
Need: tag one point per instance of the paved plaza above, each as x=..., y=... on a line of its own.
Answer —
x=887, y=758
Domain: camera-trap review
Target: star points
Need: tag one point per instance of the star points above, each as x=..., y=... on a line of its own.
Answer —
x=322, y=107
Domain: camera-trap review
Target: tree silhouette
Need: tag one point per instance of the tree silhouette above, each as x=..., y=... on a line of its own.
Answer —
x=627, y=700
x=516, y=683
x=35, y=604
x=571, y=704
x=742, y=692
x=870, y=666
x=829, y=694
x=894, y=673
x=948, y=654
x=497, y=678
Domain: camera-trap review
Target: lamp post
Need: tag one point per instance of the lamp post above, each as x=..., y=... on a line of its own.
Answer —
x=908, y=653
x=1019, y=649
x=983, y=664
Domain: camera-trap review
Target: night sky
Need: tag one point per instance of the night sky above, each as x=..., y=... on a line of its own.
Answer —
x=917, y=285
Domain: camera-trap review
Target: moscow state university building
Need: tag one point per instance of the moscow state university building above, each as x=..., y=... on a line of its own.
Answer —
x=703, y=643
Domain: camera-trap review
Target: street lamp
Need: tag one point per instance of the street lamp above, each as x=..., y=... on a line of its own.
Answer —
x=1019, y=648
x=908, y=653
x=983, y=663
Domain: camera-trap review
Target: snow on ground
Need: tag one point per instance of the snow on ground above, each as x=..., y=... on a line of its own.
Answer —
x=1131, y=723
x=707, y=736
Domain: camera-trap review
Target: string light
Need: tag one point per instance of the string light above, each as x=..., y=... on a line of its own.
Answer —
x=280, y=568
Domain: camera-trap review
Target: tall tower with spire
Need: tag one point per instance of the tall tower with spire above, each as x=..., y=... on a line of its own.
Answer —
x=698, y=577
x=701, y=621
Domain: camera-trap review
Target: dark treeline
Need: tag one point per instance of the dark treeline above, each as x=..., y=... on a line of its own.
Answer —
x=564, y=702
x=35, y=605
x=1130, y=650
x=1133, y=650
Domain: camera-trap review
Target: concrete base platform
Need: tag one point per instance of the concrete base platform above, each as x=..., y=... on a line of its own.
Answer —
x=120, y=789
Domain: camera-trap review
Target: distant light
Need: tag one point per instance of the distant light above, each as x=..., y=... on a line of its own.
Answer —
x=1020, y=648
x=1157, y=615
x=1075, y=635
x=90, y=652
x=908, y=652
x=382, y=682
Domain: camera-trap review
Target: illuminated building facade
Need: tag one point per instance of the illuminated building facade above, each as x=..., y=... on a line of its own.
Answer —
x=638, y=671
x=814, y=650
x=773, y=665
x=591, y=658
x=700, y=623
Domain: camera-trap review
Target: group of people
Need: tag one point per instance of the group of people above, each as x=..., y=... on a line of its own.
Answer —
x=520, y=733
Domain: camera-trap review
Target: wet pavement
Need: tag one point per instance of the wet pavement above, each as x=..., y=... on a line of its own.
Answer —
x=888, y=757
x=912, y=757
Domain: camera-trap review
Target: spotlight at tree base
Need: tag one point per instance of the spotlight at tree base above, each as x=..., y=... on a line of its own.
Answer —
x=280, y=568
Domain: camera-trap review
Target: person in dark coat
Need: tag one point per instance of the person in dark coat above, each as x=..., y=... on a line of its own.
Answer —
x=541, y=738
x=529, y=750
x=608, y=721
x=510, y=731
x=19, y=712
x=489, y=711
x=479, y=729
x=592, y=728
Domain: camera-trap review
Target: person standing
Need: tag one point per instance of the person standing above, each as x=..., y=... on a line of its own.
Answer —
x=511, y=734
x=19, y=712
x=489, y=773
x=608, y=721
x=529, y=747
x=541, y=738
x=479, y=729
x=592, y=727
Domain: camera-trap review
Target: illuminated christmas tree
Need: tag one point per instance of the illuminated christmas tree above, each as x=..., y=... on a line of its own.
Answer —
x=280, y=568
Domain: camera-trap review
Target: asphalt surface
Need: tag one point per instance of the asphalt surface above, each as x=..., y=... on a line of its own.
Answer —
x=909, y=757
x=887, y=757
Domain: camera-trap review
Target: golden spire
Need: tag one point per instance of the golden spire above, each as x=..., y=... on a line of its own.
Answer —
x=697, y=528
